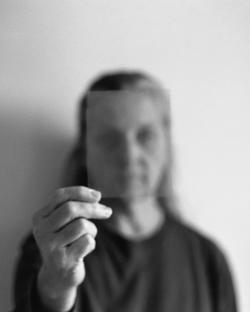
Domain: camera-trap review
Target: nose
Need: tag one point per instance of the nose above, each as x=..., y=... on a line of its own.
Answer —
x=129, y=152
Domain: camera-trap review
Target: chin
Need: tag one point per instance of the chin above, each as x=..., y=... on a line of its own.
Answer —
x=129, y=189
x=134, y=194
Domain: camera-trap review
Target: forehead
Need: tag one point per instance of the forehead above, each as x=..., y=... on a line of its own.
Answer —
x=122, y=109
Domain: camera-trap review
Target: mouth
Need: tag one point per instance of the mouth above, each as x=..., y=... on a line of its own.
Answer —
x=131, y=179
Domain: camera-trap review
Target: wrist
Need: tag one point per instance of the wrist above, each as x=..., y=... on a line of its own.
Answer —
x=53, y=294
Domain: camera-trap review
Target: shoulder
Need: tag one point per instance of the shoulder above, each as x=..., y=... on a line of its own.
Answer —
x=29, y=251
x=26, y=268
x=198, y=242
x=28, y=242
x=208, y=257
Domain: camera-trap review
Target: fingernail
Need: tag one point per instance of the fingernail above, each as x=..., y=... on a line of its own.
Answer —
x=108, y=211
x=95, y=194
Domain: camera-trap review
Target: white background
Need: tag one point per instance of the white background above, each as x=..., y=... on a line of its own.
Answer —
x=199, y=49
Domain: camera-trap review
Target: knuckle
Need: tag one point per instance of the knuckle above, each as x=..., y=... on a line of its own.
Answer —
x=91, y=241
x=38, y=216
x=59, y=193
x=83, y=223
x=93, y=206
x=80, y=225
x=94, y=228
x=41, y=239
x=70, y=208
x=55, y=194
x=89, y=209
x=49, y=250
x=83, y=191
x=36, y=225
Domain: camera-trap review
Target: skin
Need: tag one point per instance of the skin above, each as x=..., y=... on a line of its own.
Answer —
x=65, y=236
x=126, y=155
x=126, y=144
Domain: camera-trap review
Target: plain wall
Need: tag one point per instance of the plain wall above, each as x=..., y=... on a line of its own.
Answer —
x=200, y=50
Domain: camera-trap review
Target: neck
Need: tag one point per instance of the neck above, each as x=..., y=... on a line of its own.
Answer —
x=136, y=219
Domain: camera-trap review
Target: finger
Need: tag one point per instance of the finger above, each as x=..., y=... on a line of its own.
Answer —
x=71, y=210
x=80, y=248
x=74, y=230
x=72, y=193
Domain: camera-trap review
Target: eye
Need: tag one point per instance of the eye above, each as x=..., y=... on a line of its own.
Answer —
x=146, y=135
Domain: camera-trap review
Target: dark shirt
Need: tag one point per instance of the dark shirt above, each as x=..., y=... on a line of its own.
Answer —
x=175, y=270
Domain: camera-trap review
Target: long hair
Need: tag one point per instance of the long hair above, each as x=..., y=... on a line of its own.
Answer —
x=75, y=172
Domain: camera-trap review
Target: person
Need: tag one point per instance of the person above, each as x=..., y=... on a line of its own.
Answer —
x=118, y=181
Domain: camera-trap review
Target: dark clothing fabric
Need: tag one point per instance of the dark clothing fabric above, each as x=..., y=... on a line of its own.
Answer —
x=175, y=270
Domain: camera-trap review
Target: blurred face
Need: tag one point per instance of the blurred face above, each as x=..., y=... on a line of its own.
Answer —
x=126, y=144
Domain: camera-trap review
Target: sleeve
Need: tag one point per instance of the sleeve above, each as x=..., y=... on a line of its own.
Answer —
x=221, y=281
x=26, y=298
x=27, y=267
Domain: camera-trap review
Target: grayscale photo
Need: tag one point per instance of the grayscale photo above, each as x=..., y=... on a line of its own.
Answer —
x=125, y=152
